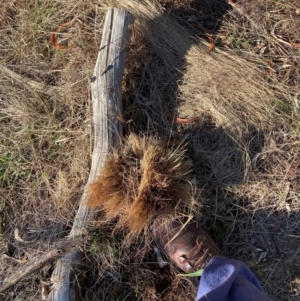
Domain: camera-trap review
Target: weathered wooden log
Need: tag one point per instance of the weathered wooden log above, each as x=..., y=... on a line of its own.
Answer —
x=107, y=106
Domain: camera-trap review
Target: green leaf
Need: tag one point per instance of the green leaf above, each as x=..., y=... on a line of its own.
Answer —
x=195, y=274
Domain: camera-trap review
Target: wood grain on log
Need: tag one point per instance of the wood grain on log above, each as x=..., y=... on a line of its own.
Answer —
x=107, y=106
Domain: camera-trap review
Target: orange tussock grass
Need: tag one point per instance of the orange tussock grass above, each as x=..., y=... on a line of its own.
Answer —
x=141, y=180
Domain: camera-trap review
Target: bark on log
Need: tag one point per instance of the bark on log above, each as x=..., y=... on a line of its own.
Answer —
x=107, y=105
x=38, y=263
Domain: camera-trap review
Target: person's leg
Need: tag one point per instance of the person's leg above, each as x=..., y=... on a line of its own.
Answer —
x=191, y=248
x=225, y=279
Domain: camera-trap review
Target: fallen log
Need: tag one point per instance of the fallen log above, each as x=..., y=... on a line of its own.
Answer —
x=107, y=106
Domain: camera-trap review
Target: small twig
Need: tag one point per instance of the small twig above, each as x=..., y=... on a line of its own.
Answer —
x=11, y=260
x=278, y=39
x=29, y=83
x=295, y=45
x=39, y=262
x=18, y=237
x=181, y=120
x=241, y=12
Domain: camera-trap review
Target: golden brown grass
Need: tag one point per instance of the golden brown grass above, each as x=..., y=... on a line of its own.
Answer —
x=144, y=179
x=244, y=147
x=228, y=88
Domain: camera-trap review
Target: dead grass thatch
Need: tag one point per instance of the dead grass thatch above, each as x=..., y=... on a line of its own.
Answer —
x=146, y=178
x=242, y=104
x=180, y=76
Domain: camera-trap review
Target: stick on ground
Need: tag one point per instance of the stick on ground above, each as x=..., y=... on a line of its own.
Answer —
x=107, y=106
x=37, y=263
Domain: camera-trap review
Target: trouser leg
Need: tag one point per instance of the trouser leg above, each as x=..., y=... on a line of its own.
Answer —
x=225, y=279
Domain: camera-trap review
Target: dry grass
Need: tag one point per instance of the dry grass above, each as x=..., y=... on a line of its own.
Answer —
x=45, y=126
x=195, y=82
x=144, y=179
x=244, y=149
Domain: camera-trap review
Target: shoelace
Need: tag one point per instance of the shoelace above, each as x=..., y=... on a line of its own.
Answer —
x=193, y=257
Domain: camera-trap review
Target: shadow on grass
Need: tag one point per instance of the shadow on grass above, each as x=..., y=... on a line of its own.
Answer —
x=223, y=163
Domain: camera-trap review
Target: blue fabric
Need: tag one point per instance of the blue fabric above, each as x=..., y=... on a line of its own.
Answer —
x=225, y=279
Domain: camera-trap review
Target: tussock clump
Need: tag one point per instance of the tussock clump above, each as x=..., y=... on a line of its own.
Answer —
x=145, y=178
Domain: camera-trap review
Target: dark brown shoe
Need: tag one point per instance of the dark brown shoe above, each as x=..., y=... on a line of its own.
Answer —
x=187, y=244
